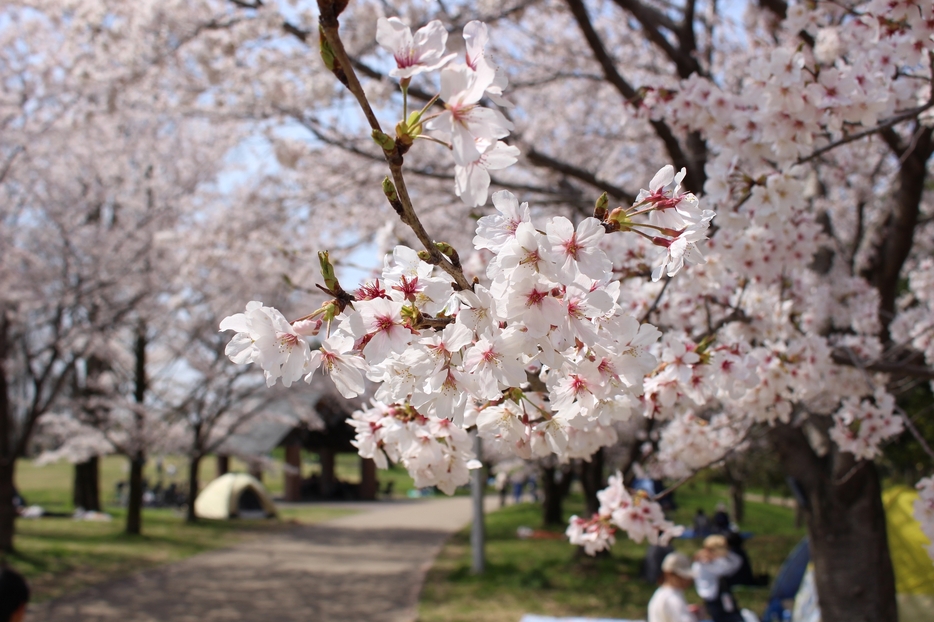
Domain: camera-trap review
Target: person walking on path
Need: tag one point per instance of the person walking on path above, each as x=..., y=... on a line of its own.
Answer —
x=668, y=604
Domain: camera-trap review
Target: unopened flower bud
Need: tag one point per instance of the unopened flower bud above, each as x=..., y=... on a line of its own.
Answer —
x=601, y=206
x=329, y=58
x=327, y=271
x=327, y=54
x=389, y=190
x=383, y=140
x=411, y=316
x=307, y=328
x=448, y=251
x=331, y=309
x=424, y=256
x=392, y=196
x=404, y=135
x=620, y=219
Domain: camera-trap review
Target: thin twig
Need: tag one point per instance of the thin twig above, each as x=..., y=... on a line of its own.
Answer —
x=394, y=158
x=658, y=298
x=684, y=480
x=895, y=120
x=908, y=423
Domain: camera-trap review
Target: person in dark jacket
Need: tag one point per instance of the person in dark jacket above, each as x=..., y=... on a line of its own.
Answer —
x=744, y=575
x=721, y=520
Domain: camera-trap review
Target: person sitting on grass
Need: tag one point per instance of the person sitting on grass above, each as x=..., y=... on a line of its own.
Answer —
x=713, y=565
x=14, y=594
x=668, y=604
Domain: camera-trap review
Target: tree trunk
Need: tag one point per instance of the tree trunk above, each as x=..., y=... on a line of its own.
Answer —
x=846, y=528
x=592, y=481
x=737, y=489
x=7, y=457
x=193, y=464
x=134, y=508
x=552, y=503
x=86, y=493
x=554, y=491
x=7, y=511
x=738, y=502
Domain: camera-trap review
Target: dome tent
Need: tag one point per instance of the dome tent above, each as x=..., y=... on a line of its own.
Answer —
x=234, y=495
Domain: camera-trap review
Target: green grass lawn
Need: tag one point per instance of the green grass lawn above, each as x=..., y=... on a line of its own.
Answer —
x=551, y=577
x=50, y=485
x=60, y=555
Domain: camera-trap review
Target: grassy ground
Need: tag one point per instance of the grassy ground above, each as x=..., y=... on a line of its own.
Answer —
x=548, y=576
x=60, y=555
x=50, y=485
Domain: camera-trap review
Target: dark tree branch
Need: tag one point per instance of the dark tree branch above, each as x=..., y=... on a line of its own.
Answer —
x=694, y=180
x=652, y=20
x=538, y=158
x=894, y=368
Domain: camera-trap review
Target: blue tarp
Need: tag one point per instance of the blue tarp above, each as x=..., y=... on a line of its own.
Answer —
x=789, y=577
x=788, y=581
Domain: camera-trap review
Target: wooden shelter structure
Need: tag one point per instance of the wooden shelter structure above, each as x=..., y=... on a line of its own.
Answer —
x=310, y=417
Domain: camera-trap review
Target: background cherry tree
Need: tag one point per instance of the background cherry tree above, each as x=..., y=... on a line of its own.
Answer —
x=807, y=137
x=804, y=127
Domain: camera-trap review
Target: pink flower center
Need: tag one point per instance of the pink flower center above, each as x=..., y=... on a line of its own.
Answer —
x=571, y=247
x=535, y=297
x=383, y=323
x=407, y=57
x=287, y=341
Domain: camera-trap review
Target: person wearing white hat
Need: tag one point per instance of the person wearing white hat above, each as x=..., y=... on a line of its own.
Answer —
x=668, y=604
x=713, y=564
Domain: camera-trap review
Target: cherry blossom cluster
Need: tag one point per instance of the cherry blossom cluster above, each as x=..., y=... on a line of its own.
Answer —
x=860, y=426
x=473, y=131
x=690, y=443
x=435, y=451
x=690, y=375
x=796, y=98
x=924, y=510
x=542, y=359
x=674, y=214
x=636, y=514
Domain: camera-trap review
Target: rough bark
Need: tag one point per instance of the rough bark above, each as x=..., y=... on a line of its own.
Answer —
x=846, y=528
x=194, y=463
x=86, y=492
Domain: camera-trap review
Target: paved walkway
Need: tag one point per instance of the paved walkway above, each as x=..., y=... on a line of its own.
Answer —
x=366, y=567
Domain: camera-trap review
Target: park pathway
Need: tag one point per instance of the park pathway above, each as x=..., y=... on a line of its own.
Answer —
x=366, y=567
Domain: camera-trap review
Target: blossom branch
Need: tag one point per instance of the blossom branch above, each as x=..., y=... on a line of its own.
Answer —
x=394, y=157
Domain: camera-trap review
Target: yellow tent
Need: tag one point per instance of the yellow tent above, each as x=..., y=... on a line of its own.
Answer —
x=914, y=570
x=234, y=495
